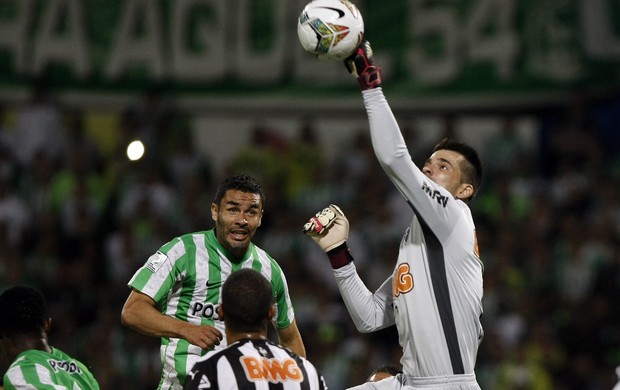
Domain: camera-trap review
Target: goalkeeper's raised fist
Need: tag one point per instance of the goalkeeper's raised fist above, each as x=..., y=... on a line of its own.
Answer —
x=361, y=64
x=329, y=228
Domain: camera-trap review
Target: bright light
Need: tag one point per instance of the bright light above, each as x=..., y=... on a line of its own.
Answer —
x=135, y=150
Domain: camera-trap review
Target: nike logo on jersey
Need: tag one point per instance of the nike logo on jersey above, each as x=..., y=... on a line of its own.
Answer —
x=213, y=284
x=340, y=12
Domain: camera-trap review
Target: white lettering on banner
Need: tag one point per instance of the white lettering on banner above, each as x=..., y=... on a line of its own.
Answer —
x=435, y=69
x=599, y=39
x=138, y=41
x=66, y=45
x=14, y=35
x=191, y=65
x=500, y=47
x=207, y=41
x=265, y=67
x=550, y=42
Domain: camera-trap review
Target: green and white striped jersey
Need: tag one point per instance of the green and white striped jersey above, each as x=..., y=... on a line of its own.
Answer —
x=35, y=369
x=185, y=276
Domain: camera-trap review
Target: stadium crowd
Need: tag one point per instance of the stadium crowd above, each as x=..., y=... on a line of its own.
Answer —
x=76, y=221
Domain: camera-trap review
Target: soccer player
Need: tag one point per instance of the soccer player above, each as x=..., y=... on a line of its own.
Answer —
x=434, y=295
x=176, y=294
x=251, y=361
x=24, y=327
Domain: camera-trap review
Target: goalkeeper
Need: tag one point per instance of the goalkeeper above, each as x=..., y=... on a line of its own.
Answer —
x=435, y=291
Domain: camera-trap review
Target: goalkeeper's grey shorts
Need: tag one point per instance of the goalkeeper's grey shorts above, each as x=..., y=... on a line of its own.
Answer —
x=406, y=382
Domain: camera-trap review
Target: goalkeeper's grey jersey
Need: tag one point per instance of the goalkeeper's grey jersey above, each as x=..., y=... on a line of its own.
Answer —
x=254, y=365
x=434, y=294
x=185, y=276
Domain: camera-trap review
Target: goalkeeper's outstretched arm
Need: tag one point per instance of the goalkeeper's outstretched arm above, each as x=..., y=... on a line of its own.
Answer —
x=329, y=228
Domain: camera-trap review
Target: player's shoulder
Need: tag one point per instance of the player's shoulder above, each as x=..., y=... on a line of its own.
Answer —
x=466, y=211
x=33, y=355
x=265, y=257
x=178, y=245
x=190, y=236
x=26, y=360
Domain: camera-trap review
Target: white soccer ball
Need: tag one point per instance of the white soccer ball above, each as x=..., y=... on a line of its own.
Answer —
x=330, y=29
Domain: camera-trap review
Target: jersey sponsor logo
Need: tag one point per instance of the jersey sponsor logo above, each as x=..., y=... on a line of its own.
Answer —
x=403, y=282
x=273, y=370
x=206, y=310
x=213, y=284
x=435, y=194
x=68, y=366
x=476, y=248
x=156, y=261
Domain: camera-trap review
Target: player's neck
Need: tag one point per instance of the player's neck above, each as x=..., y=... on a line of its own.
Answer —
x=246, y=335
x=20, y=344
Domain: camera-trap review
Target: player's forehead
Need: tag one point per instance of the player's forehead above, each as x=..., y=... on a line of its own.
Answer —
x=241, y=198
x=444, y=155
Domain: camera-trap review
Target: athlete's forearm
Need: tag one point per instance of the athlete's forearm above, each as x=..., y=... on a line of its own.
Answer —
x=291, y=339
x=140, y=314
x=387, y=140
x=146, y=319
x=369, y=311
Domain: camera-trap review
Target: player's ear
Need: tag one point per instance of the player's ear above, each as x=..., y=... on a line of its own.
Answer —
x=272, y=311
x=214, y=210
x=465, y=192
x=220, y=312
x=47, y=326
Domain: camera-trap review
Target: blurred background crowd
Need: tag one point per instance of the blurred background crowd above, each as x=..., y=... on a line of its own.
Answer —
x=77, y=221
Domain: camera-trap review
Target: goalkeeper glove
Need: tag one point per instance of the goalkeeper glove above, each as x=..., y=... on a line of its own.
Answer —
x=361, y=64
x=329, y=228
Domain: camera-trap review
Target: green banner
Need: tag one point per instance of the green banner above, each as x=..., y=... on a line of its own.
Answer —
x=425, y=47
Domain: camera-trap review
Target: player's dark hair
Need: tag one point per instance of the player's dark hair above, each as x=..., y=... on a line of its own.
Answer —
x=472, y=169
x=24, y=311
x=387, y=368
x=240, y=182
x=247, y=297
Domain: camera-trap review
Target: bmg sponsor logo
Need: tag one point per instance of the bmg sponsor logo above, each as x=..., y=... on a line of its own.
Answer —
x=271, y=369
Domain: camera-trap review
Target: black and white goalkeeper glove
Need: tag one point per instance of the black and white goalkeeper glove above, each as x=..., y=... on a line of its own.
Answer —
x=329, y=228
x=361, y=64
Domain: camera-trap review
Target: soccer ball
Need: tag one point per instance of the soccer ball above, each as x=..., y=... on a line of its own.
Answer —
x=330, y=29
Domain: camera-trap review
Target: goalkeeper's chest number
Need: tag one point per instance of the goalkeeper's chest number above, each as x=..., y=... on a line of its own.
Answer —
x=403, y=281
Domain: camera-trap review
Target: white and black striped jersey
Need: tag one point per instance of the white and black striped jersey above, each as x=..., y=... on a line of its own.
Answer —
x=251, y=364
x=435, y=294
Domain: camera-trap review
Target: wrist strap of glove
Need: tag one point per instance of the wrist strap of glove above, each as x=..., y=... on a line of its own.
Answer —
x=370, y=78
x=340, y=256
